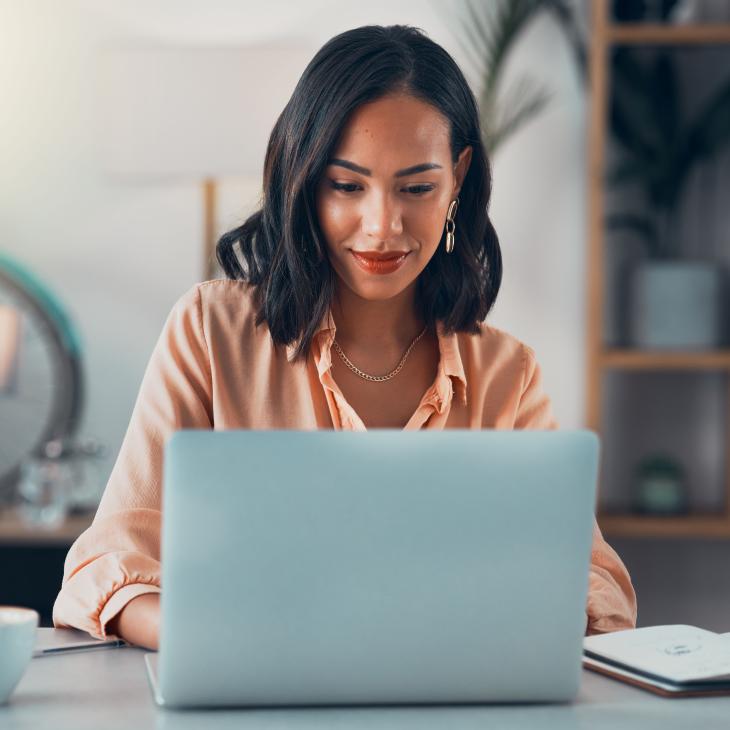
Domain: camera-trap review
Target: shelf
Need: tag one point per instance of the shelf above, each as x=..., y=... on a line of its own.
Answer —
x=640, y=370
x=650, y=33
x=13, y=531
x=665, y=360
x=689, y=526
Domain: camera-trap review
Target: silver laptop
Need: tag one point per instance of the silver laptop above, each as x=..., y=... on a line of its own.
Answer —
x=378, y=567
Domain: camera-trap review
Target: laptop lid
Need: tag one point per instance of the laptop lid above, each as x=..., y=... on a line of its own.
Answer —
x=387, y=566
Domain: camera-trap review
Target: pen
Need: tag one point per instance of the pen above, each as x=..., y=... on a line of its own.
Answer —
x=78, y=647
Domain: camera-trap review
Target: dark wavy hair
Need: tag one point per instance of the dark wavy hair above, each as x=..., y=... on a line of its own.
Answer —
x=281, y=248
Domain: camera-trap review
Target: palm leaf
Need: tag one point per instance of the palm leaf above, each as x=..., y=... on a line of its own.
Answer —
x=632, y=111
x=564, y=14
x=626, y=171
x=664, y=96
x=490, y=30
x=523, y=101
x=627, y=11
x=641, y=225
x=475, y=47
x=703, y=138
x=710, y=129
x=496, y=25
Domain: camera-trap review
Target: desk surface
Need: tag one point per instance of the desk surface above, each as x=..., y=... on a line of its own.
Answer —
x=108, y=688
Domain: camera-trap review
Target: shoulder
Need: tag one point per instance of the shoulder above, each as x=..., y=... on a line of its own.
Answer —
x=495, y=349
x=225, y=311
x=218, y=300
x=508, y=380
x=218, y=294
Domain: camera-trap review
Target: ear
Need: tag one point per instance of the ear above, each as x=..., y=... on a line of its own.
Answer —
x=461, y=166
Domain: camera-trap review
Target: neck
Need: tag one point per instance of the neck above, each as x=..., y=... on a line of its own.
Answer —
x=382, y=326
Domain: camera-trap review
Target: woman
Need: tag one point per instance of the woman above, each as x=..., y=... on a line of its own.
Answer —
x=355, y=299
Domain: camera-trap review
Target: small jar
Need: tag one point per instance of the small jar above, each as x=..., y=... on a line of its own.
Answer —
x=46, y=485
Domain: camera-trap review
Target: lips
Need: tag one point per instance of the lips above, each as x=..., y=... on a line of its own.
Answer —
x=378, y=256
x=380, y=263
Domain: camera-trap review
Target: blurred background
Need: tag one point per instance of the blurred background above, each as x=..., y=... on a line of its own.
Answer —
x=132, y=135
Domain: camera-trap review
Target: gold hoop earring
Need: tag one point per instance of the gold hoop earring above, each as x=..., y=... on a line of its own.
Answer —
x=450, y=225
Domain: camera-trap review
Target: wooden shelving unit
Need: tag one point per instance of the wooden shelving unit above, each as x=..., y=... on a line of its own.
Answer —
x=650, y=34
x=633, y=360
x=14, y=532
x=601, y=360
x=699, y=525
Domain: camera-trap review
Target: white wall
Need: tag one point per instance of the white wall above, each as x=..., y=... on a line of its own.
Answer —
x=120, y=254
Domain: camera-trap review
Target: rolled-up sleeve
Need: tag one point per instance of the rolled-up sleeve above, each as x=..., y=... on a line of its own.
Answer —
x=611, y=604
x=118, y=557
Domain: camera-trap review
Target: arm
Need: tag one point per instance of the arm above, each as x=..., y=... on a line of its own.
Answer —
x=115, y=563
x=138, y=622
x=611, y=598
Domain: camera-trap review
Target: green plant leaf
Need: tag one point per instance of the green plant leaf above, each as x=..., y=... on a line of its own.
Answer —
x=666, y=7
x=703, y=138
x=632, y=113
x=634, y=11
x=500, y=23
x=490, y=30
x=664, y=96
x=523, y=100
x=710, y=130
x=563, y=11
x=625, y=171
x=640, y=225
x=475, y=46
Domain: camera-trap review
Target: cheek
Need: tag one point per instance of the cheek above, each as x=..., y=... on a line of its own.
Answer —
x=340, y=220
x=427, y=224
x=335, y=218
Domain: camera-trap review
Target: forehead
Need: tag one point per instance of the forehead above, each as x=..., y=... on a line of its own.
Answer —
x=395, y=131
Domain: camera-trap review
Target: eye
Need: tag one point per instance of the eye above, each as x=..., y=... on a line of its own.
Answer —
x=344, y=187
x=419, y=189
x=353, y=187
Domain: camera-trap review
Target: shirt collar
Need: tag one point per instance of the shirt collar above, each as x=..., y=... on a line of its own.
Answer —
x=451, y=362
x=451, y=367
x=326, y=324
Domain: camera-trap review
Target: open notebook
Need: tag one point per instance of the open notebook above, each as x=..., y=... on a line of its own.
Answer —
x=674, y=661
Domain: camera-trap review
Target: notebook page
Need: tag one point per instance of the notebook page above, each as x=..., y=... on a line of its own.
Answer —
x=678, y=653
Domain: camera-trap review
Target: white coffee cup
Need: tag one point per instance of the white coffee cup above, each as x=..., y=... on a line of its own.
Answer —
x=17, y=639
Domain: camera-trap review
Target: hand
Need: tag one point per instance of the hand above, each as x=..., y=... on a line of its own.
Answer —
x=139, y=621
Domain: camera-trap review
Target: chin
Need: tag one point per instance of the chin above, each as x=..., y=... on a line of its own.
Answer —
x=373, y=288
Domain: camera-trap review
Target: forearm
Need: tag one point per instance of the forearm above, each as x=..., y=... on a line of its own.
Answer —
x=611, y=596
x=139, y=621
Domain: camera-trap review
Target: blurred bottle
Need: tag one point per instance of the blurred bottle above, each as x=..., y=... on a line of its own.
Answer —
x=56, y=482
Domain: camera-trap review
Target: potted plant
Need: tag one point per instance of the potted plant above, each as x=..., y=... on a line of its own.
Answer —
x=674, y=302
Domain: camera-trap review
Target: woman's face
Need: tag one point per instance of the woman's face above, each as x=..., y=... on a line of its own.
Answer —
x=386, y=191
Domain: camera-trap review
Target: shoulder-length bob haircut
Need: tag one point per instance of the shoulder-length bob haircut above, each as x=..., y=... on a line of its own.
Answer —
x=282, y=249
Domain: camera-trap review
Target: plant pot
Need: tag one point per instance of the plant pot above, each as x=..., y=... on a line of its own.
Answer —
x=676, y=305
x=660, y=487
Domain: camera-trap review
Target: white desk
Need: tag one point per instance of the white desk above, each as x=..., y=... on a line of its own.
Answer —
x=106, y=689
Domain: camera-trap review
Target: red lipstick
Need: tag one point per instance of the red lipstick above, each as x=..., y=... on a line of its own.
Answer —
x=375, y=262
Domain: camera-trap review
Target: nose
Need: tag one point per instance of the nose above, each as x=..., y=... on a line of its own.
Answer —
x=382, y=217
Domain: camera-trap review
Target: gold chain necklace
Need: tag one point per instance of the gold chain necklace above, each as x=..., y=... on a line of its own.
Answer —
x=377, y=378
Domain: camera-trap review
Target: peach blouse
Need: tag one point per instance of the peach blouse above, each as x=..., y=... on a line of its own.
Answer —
x=213, y=368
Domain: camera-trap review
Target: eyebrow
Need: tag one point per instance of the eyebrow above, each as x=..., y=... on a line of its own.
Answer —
x=414, y=169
